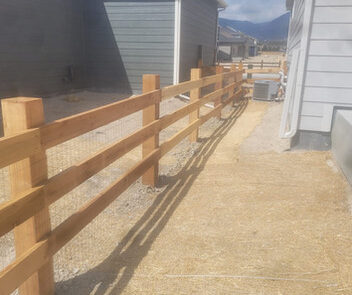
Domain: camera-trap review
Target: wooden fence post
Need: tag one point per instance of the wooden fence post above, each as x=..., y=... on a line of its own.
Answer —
x=195, y=95
x=219, y=85
x=150, y=114
x=20, y=114
x=236, y=71
x=233, y=69
x=284, y=67
x=250, y=75
x=240, y=66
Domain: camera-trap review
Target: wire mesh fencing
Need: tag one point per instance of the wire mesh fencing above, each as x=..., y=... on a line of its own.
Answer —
x=87, y=256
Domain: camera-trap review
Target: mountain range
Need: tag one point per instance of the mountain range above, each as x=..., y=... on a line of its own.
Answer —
x=274, y=30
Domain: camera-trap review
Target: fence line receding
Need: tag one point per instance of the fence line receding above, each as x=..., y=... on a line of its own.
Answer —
x=27, y=138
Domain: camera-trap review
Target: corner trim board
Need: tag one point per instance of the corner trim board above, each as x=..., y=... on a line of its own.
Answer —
x=177, y=41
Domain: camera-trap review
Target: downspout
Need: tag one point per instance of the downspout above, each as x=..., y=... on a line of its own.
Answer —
x=301, y=75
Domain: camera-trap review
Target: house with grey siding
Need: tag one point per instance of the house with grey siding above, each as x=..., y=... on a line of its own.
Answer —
x=167, y=37
x=319, y=89
x=234, y=45
x=48, y=47
x=41, y=47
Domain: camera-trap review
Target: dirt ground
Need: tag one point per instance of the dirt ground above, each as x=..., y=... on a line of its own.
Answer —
x=238, y=219
x=241, y=216
x=235, y=213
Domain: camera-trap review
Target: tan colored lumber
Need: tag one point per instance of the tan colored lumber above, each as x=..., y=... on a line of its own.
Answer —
x=263, y=71
x=179, y=136
x=26, y=143
x=22, y=207
x=28, y=203
x=219, y=85
x=239, y=80
x=284, y=67
x=38, y=255
x=74, y=224
x=195, y=95
x=66, y=181
x=65, y=129
x=24, y=267
x=174, y=90
x=18, y=147
x=150, y=114
x=184, y=87
x=20, y=114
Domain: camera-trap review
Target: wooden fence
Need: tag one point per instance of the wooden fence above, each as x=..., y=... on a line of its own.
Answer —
x=23, y=150
x=282, y=68
x=258, y=64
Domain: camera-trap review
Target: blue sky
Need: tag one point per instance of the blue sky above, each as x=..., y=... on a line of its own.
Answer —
x=254, y=10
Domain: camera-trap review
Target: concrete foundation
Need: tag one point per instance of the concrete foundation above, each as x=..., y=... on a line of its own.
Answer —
x=310, y=140
x=341, y=137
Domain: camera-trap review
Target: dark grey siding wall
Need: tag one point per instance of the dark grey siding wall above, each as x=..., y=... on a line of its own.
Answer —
x=39, y=40
x=198, y=27
x=126, y=39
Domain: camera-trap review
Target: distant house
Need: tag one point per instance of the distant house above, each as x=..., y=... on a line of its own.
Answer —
x=55, y=46
x=319, y=82
x=233, y=45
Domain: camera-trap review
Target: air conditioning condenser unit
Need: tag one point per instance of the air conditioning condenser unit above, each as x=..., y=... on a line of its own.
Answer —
x=265, y=90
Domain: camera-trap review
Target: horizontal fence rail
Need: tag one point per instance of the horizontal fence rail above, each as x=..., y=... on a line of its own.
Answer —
x=33, y=200
x=257, y=64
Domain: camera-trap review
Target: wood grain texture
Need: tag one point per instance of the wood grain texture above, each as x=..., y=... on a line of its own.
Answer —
x=19, y=146
x=20, y=114
x=195, y=95
x=30, y=202
x=219, y=85
x=174, y=90
x=64, y=129
x=150, y=114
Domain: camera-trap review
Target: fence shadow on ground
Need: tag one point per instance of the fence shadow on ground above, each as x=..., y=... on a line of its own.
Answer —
x=113, y=274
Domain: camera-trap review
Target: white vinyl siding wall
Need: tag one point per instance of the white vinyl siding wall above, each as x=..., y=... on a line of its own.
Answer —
x=329, y=67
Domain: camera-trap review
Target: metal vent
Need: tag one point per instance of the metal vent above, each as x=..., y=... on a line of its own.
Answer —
x=265, y=90
x=261, y=91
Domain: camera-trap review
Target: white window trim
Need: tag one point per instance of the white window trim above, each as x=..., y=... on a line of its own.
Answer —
x=177, y=41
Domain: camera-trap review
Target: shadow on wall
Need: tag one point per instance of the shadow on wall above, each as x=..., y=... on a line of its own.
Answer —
x=105, y=70
x=113, y=274
x=52, y=47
